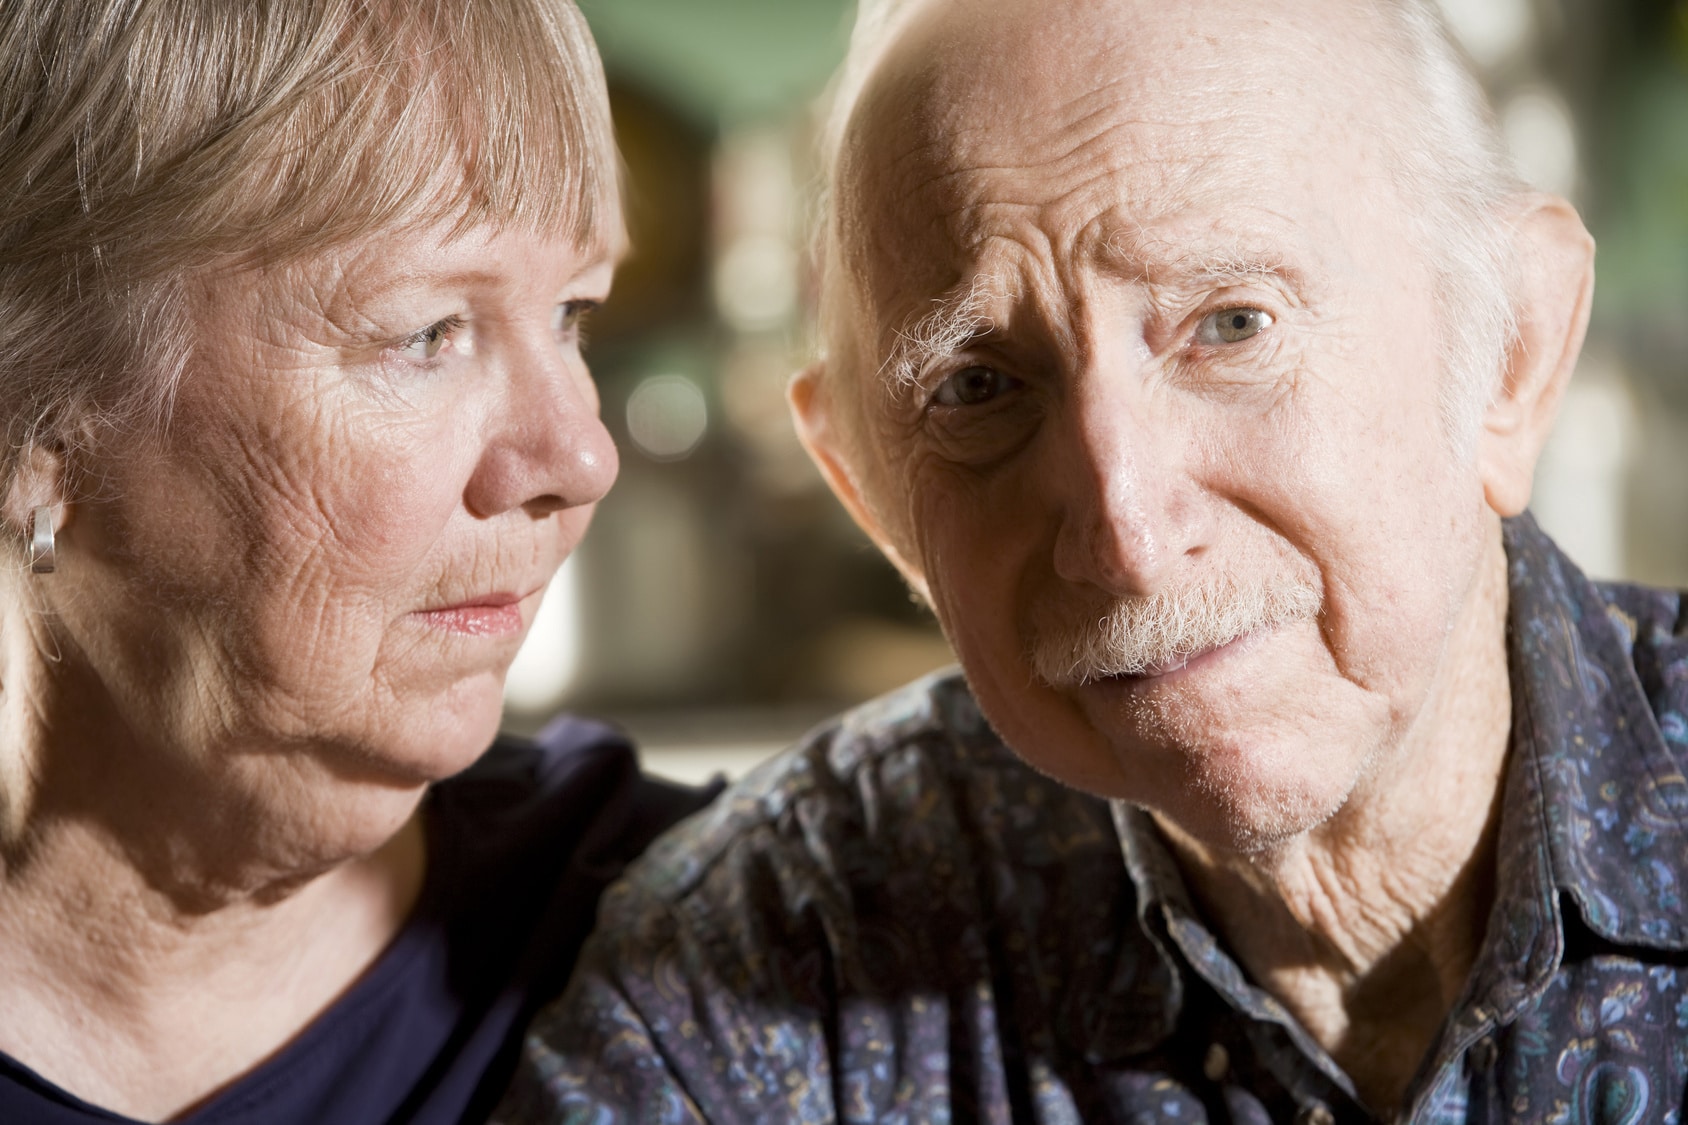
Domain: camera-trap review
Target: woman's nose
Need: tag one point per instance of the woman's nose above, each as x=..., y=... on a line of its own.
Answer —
x=546, y=449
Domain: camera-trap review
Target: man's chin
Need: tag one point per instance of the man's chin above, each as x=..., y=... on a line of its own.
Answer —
x=1244, y=796
x=1247, y=824
x=1215, y=747
x=1255, y=798
x=1248, y=784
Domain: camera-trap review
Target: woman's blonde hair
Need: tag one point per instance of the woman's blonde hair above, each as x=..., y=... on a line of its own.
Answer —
x=143, y=142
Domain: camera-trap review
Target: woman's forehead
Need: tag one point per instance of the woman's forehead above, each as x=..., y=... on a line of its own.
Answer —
x=407, y=266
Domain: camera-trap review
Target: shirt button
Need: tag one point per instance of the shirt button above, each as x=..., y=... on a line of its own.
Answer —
x=1483, y=1054
x=1315, y=1113
x=1217, y=1063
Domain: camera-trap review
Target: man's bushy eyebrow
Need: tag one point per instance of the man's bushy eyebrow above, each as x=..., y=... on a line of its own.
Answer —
x=954, y=319
x=1161, y=261
x=961, y=316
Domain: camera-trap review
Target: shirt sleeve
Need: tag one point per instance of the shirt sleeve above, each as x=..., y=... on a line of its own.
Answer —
x=593, y=1057
x=668, y=1021
x=835, y=940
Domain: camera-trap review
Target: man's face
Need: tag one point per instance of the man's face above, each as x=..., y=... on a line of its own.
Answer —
x=1141, y=333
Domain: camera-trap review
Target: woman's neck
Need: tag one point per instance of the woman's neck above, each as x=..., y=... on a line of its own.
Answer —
x=117, y=995
x=165, y=927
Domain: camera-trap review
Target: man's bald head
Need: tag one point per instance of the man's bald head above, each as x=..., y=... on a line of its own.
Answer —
x=1392, y=79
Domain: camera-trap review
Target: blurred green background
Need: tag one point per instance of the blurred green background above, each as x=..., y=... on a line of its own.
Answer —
x=723, y=601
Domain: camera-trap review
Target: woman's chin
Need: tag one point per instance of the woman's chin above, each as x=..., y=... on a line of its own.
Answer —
x=419, y=740
x=446, y=735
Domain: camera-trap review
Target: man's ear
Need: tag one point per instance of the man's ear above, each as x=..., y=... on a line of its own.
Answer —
x=814, y=414
x=1555, y=290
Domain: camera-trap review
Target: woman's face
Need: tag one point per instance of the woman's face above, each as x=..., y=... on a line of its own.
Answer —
x=376, y=461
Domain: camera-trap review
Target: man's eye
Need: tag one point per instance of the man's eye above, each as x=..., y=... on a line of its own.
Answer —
x=973, y=386
x=1232, y=326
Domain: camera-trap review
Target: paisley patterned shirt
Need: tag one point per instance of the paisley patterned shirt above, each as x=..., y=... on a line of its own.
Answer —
x=898, y=921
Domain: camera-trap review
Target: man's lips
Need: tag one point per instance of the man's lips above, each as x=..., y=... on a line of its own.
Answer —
x=1177, y=668
x=490, y=615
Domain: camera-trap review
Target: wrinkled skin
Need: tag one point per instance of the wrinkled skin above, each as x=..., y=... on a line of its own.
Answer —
x=247, y=589
x=1124, y=448
x=1105, y=187
x=271, y=627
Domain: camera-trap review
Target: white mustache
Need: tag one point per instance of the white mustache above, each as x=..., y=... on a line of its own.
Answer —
x=1135, y=636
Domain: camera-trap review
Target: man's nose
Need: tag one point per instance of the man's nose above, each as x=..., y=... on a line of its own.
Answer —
x=1131, y=513
x=547, y=449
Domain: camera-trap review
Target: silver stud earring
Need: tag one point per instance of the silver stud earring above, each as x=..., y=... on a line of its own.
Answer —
x=41, y=556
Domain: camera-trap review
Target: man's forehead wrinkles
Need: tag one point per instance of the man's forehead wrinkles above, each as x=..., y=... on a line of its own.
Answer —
x=1123, y=148
x=1082, y=116
x=1094, y=175
x=1064, y=192
x=1043, y=220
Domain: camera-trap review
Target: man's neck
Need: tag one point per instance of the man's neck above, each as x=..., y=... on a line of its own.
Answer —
x=1367, y=927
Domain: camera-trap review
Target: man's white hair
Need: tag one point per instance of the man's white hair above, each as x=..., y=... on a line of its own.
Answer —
x=1450, y=158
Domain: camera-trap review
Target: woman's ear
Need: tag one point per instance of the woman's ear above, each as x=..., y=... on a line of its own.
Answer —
x=39, y=478
x=1555, y=291
x=814, y=413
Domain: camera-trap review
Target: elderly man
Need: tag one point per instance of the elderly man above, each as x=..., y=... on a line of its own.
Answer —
x=1192, y=360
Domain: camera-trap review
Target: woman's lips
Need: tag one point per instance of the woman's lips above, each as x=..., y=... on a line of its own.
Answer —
x=495, y=615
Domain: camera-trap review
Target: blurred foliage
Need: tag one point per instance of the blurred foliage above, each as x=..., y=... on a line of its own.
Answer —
x=1638, y=152
x=723, y=63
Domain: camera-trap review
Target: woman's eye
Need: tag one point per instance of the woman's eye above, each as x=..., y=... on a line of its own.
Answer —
x=1232, y=326
x=973, y=386
x=569, y=318
x=426, y=344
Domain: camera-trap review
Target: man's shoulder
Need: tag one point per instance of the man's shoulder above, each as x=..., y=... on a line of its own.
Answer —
x=885, y=802
x=1652, y=628
x=833, y=924
x=1596, y=657
x=1605, y=695
x=916, y=771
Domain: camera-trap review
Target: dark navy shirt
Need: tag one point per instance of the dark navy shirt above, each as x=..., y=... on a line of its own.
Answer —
x=519, y=847
x=899, y=921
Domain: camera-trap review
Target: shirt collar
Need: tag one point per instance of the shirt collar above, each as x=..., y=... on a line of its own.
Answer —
x=1589, y=775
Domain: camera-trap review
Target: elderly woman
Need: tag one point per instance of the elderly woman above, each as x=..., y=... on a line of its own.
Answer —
x=296, y=429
